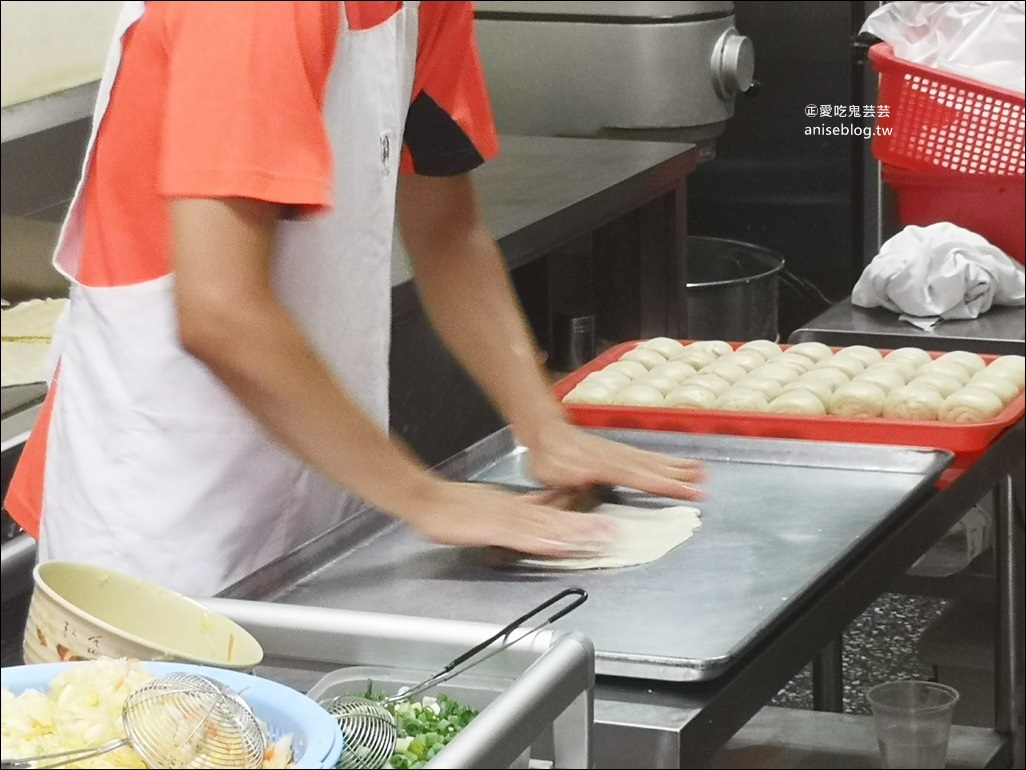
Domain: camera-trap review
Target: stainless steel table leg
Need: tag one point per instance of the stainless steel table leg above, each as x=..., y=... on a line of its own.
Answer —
x=1008, y=643
x=828, y=678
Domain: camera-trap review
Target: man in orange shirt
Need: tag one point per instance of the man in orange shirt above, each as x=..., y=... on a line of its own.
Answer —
x=221, y=394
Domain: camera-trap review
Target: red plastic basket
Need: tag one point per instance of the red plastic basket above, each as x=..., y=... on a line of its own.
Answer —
x=939, y=120
x=992, y=206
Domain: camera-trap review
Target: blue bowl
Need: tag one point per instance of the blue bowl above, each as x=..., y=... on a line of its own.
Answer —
x=316, y=739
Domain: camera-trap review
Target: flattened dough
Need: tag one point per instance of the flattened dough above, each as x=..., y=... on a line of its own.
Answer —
x=646, y=534
x=32, y=321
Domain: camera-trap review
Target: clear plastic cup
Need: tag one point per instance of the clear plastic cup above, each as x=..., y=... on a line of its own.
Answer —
x=912, y=721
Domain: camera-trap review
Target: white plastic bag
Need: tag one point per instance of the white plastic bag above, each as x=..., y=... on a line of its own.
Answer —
x=940, y=271
x=984, y=41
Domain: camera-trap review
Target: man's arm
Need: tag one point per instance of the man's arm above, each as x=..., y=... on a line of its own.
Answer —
x=229, y=318
x=466, y=292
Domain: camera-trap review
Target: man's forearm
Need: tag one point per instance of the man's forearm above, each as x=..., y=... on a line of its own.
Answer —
x=466, y=291
x=230, y=319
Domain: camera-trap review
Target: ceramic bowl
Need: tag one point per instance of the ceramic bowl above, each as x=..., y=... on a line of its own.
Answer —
x=83, y=612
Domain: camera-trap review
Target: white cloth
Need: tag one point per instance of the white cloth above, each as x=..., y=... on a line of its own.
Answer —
x=984, y=41
x=152, y=466
x=940, y=271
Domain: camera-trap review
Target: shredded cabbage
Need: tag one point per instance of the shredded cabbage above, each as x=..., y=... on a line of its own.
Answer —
x=83, y=709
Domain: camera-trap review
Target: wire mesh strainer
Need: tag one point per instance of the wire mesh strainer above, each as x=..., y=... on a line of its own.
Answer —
x=369, y=728
x=177, y=721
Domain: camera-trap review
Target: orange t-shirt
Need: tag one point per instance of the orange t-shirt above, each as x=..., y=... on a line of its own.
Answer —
x=224, y=99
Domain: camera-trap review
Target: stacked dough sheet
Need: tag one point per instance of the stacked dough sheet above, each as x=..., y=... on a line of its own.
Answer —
x=27, y=331
x=808, y=378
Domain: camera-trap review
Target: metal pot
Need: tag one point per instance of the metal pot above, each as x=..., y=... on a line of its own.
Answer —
x=733, y=290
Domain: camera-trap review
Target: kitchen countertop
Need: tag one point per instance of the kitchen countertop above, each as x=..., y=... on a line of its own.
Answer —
x=999, y=331
x=542, y=192
x=645, y=723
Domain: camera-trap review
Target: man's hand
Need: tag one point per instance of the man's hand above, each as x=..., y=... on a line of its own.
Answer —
x=566, y=456
x=476, y=514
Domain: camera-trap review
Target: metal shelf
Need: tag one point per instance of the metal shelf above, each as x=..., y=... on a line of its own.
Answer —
x=49, y=111
x=793, y=738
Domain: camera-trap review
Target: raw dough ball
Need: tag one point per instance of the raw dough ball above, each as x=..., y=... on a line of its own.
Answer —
x=915, y=356
x=742, y=400
x=675, y=370
x=696, y=358
x=631, y=369
x=858, y=399
x=768, y=387
x=887, y=378
x=832, y=376
x=940, y=382
x=813, y=385
x=728, y=370
x=971, y=362
x=638, y=395
x=664, y=346
x=797, y=402
x=814, y=351
x=711, y=382
x=970, y=404
x=766, y=347
x=663, y=384
x=647, y=358
x=690, y=397
x=717, y=347
x=589, y=393
x=799, y=363
x=947, y=368
x=850, y=365
x=902, y=366
x=1010, y=367
x=996, y=384
x=1010, y=360
x=782, y=373
x=612, y=380
x=913, y=402
x=796, y=360
x=746, y=359
x=863, y=353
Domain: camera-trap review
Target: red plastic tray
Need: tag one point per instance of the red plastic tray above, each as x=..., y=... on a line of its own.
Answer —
x=960, y=438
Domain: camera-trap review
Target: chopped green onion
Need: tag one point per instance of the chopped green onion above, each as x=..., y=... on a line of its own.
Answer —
x=424, y=727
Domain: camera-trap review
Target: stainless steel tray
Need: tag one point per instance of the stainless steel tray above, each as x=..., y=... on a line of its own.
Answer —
x=782, y=516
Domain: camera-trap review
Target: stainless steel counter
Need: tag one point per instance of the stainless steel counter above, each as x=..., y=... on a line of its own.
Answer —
x=1001, y=330
x=690, y=722
x=781, y=516
x=642, y=723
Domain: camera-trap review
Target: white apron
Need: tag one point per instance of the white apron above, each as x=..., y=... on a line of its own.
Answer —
x=152, y=465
